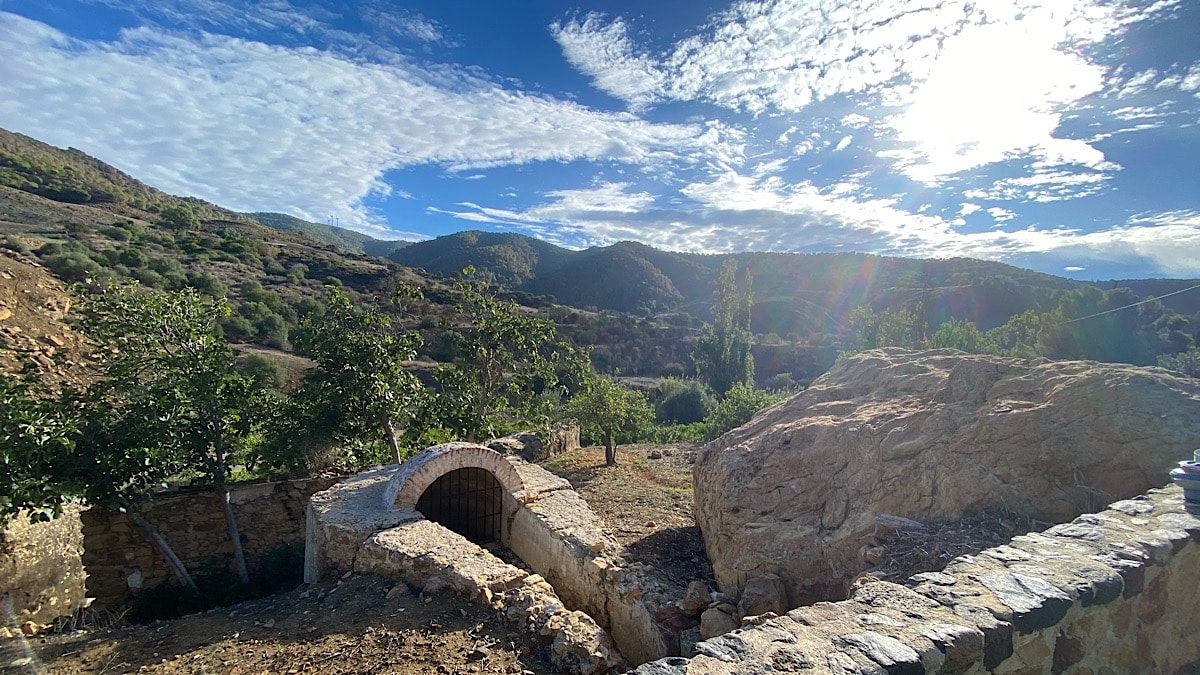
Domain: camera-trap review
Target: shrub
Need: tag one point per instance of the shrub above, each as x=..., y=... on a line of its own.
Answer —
x=681, y=401
x=738, y=406
x=15, y=243
x=265, y=371
x=72, y=266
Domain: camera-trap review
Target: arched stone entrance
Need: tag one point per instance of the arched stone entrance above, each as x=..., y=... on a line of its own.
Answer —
x=468, y=501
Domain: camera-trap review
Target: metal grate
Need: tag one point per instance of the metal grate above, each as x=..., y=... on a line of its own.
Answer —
x=467, y=501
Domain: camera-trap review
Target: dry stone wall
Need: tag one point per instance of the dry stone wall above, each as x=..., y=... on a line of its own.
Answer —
x=1109, y=593
x=582, y=581
x=41, y=573
x=120, y=560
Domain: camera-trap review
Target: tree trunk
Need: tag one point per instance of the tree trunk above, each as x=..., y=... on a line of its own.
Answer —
x=390, y=433
x=235, y=537
x=239, y=557
x=610, y=450
x=173, y=561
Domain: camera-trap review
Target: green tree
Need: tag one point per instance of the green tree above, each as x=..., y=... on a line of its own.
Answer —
x=38, y=433
x=179, y=218
x=1186, y=363
x=360, y=385
x=873, y=330
x=736, y=408
x=606, y=406
x=722, y=352
x=961, y=335
x=170, y=399
x=508, y=363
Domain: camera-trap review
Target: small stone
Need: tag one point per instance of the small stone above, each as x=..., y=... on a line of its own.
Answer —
x=696, y=598
x=714, y=622
x=29, y=628
x=655, y=454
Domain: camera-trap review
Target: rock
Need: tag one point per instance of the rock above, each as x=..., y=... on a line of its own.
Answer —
x=524, y=444
x=763, y=593
x=655, y=454
x=563, y=440
x=696, y=598
x=29, y=628
x=714, y=622
x=929, y=436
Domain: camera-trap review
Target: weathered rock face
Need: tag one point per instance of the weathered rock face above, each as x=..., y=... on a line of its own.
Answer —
x=929, y=436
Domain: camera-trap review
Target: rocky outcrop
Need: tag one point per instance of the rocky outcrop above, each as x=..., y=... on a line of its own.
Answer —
x=929, y=436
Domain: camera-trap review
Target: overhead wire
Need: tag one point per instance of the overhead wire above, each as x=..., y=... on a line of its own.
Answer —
x=1139, y=302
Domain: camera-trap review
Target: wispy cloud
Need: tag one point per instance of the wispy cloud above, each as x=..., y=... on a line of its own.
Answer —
x=607, y=54
x=262, y=127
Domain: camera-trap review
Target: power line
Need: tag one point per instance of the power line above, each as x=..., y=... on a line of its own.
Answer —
x=1139, y=302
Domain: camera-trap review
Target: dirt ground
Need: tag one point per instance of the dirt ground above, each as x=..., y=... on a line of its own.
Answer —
x=364, y=624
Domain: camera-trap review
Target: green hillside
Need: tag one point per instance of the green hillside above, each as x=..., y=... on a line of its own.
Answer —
x=347, y=240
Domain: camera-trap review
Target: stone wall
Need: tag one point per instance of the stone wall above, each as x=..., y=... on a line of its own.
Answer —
x=120, y=560
x=1111, y=592
x=41, y=576
x=368, y=524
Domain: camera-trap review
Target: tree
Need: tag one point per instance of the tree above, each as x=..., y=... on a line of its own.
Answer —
x=885, y=329
x=961, y=335
x=507, y=361
x=610, y=408
x=1184, y=363
x=38, y=433
x=722, y=352
x=360, y=383
x=170, y=400
x=736, y=408
x=179, y=218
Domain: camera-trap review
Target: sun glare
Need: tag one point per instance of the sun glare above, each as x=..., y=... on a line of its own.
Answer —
x=993, y=91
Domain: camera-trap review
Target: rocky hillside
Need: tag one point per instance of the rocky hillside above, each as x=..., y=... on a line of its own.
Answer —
x=930, y=436
x=33, y=328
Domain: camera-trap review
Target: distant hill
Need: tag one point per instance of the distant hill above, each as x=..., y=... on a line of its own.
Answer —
x=799, y=294
x=347, y=240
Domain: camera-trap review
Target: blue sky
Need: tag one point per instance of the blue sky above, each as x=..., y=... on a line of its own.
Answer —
x=1059, y=135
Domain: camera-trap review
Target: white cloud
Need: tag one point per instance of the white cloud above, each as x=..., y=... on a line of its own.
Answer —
x=605, y=53
x=1001, y=215
x=1045, y=185
x=843, y=144
x=968, y=208
x=259, y=127
x=736, y=212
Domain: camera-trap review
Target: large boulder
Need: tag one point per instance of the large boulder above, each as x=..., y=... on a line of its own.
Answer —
x=929, y=436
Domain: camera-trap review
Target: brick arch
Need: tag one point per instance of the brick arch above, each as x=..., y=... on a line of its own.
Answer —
x=418, y=472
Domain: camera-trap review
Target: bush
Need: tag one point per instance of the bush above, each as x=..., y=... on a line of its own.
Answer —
x=738, y=406
x=265, y=371
x=15, y=243
x=1186, y=363
x=207, y=284
x=72, y=266
x=681, y=401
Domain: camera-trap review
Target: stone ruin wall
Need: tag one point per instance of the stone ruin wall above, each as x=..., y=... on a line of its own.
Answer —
x=120, y=560
x=41, y=574
x=1108, y=593
x=581, y=581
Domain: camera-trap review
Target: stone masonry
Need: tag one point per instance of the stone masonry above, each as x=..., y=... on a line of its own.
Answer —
x=120, y=560
x=581, y=581
x=1109, y=593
